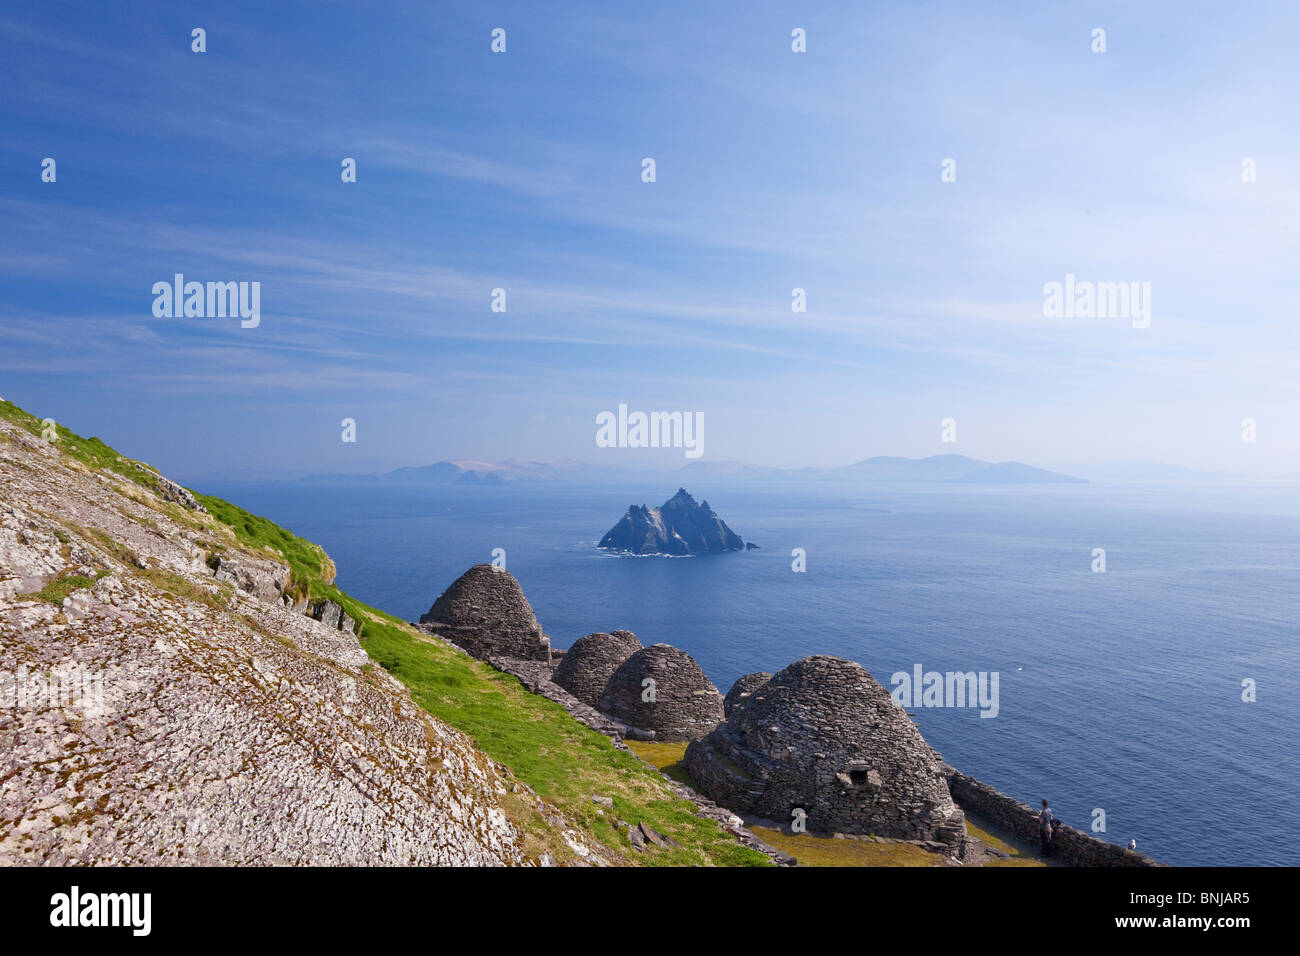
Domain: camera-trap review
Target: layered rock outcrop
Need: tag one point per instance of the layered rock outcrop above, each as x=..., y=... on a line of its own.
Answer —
x=679, y=526
x=485, y=612
x=824, y=737
x=331, y=614
x=661, y=693
x=592, y=660
x=263, y=578
x=169, y=490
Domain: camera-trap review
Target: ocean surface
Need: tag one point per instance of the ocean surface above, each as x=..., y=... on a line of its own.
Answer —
x=1119, y=690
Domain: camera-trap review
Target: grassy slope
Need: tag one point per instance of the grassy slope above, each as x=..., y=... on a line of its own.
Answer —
x=561, y=759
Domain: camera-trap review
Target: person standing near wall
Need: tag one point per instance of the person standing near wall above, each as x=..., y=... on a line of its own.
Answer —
x=1045, y=828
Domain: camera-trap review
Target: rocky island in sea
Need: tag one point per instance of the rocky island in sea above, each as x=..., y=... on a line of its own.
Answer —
x=679, y=526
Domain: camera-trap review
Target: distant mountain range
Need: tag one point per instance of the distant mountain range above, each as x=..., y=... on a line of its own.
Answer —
x=936, y=468
x=946, y=468
x=469, y=472
x=466, y=471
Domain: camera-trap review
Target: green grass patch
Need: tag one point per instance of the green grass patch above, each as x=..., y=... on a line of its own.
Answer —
x=666, y=757
x=308, y=562
x=29, y=422
x=64, y=584
x=181, y=587
x=119, y=550
x=91, y=452
x=813, y=850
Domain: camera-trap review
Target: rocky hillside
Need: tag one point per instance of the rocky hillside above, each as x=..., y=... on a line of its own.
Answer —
x=175, y=688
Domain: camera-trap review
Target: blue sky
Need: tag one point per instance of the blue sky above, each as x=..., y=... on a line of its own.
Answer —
x=775, y=170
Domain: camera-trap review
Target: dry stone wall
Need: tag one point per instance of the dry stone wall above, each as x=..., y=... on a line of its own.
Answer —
x=1069, y=845
x=485, y=612
x=661, y=693
x=742, y=688
x=588, y=665
x=823, y=737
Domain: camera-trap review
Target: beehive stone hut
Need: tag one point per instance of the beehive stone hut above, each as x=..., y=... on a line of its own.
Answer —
x=743, y=688
x=588, y=665
x=485, y=612
x=681, y=704
x=825, y=737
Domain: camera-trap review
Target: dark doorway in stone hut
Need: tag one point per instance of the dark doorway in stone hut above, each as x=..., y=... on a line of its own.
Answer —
x=858, y=777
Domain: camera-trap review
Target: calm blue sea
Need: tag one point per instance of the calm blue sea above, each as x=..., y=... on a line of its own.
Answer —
x=1120, y=691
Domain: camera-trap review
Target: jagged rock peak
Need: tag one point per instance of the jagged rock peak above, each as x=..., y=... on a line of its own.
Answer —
x=679, y=526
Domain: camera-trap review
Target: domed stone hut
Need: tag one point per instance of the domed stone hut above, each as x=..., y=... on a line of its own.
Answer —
x=742, y=689
x=825, y=737
x=680, y=704
x=588, y=665
x=485, y=612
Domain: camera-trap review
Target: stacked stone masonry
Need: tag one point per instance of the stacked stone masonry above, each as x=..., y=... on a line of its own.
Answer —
x=823, y=737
